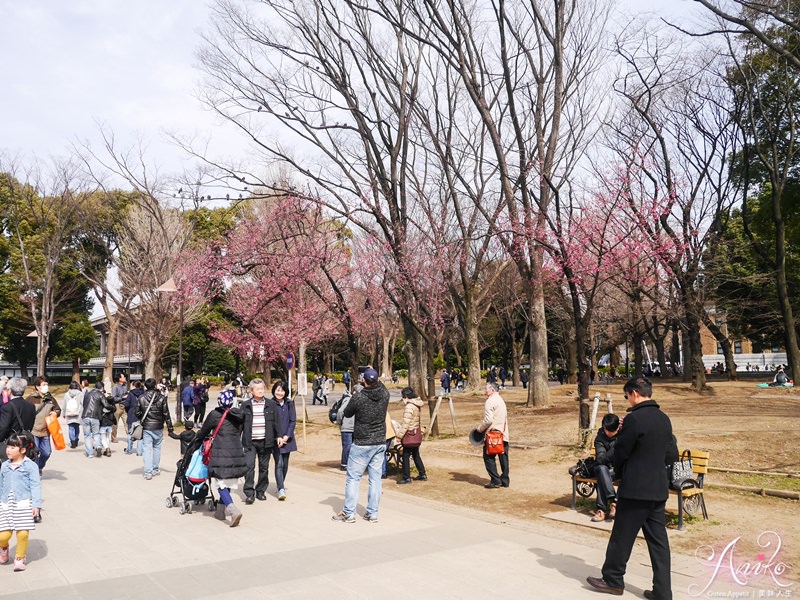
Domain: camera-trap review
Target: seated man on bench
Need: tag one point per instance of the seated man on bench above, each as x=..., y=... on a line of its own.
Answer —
x=604, y=468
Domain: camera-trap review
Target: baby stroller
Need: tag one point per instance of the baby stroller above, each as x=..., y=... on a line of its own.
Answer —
x=187, y=493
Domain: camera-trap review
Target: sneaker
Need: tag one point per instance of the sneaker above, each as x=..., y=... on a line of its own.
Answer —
x=404, y=480
x=421, y=478
x=19, y=564
x=281, y=494
x=107, y=452
x=98, y=452
x=344, y=518
x=4, y=556
x=370, y=518
x=156, y=472
x=598, y=516
x=148, y=476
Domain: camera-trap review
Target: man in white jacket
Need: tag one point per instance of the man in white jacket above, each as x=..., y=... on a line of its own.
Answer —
x=495, y=416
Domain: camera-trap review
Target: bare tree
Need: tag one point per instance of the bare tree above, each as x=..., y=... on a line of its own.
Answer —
x=675, y=138
x=45, y=207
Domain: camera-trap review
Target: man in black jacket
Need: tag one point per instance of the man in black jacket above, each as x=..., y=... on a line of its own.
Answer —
x=369, y=407
x=153, y=412
x=645, y=446
x=604, y=468
x=258, y=439
x=90, y=419
x=17, y=414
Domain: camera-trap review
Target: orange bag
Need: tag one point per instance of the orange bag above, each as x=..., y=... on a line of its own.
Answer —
x=54, y=427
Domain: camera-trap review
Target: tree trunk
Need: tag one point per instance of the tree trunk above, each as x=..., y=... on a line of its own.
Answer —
x=516, y=359
x=724, y=342
x=698, y=371
x=76, y=370
x=111, y=346
x=420, y=365
x=150, y=360
x=789, y=326
x=638, y=355
x=572, y=361
x=539, y=390
x=675, y=346
x=687, y=357
x=386, y=367
x=472, y=340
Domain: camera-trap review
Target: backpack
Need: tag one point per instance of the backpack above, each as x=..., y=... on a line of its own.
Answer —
x=73, y=407
x=197, y=471
x=333, y=413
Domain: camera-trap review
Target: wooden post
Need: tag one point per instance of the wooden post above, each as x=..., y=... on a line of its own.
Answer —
x=433, y=416
x=452, y=414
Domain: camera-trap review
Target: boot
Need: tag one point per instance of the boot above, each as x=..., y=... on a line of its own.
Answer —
x=98, y=452
x=107, y=452
x=219, y=513
x=233, y=514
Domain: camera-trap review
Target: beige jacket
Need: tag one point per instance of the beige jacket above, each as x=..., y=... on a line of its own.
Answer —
x=495, y=415
x=410, y=416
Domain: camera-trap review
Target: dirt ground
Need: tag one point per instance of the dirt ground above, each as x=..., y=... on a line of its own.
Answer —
x=743, y=427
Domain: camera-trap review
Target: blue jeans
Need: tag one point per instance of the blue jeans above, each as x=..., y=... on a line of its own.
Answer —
x=151, y=442
x=347, y=441
x=105, y=436
x=43, y=446
x=364, y=458
x=91, y=435
x=130, y=442
x=74, y=434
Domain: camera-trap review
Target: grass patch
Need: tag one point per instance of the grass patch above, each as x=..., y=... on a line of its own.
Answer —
x=770, y=482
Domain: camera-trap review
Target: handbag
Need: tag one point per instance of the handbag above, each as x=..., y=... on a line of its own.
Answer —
x=681, y=470
x=209, y=442
x=494, y=441
x=412, y=438
x=137, y=431
x=54, y=427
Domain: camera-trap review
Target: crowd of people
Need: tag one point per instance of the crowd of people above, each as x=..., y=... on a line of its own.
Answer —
x=250, y=434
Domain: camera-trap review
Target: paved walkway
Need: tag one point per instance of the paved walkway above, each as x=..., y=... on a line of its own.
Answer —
x=107, y=534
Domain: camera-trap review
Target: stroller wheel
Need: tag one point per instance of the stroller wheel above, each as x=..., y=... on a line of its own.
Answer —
x=174, y=501
x=187, y=507
x=169, y=502
x=212, y=506
x=182, y=509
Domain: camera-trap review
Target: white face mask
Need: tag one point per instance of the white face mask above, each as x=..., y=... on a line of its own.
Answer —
x=44, y=388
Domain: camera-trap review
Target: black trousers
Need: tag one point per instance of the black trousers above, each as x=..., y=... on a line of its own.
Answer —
x=263, y=451
x=409, y=453
x=491, y=466
x=633, y=515
x=605, y=487
x=200, y=412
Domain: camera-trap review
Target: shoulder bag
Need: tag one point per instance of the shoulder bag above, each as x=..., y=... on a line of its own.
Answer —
x=208, y=443
x=137, y=431
x=494, y=441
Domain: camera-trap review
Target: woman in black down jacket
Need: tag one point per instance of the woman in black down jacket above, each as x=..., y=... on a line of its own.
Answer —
x=227, y=462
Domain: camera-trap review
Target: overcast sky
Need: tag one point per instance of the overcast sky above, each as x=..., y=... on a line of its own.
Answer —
x=127, y=63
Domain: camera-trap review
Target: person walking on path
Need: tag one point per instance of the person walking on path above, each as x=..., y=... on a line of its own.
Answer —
x=411, y=421
x=153, y=413
x=20, y=497
x=131, y=402
x=108, y=420
x=346, y=430
x=644, y=447
x=90, y=418
x=44, y=404
x=445, y=381
x=73, y=406
x=495, y=416
x=119, y=393
x=260, y=433
x=286, y=442
x=369, y=407
x=227, y=462
x=17, y=414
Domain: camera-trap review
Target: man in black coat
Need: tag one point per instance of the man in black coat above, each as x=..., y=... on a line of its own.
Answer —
x=16, y=406
x=645, y=446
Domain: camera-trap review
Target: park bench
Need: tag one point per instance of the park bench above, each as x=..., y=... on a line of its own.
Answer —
x=691, y=500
